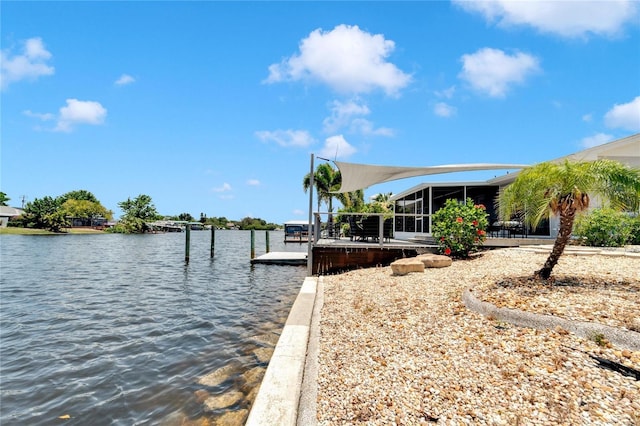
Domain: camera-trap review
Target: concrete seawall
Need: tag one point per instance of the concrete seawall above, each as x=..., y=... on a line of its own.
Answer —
x=279, y=395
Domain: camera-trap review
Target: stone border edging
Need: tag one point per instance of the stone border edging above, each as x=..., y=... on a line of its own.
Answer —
x=624, y=338
x=279, y=394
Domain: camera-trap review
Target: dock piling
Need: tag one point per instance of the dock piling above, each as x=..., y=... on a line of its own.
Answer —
x=267, y=240
x=253, y=244
x=187, y=243
x=213, y=239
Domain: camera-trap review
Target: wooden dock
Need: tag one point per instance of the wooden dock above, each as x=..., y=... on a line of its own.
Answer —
x=281, y=258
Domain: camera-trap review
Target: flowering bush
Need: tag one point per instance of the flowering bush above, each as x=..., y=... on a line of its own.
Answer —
x=460, y=228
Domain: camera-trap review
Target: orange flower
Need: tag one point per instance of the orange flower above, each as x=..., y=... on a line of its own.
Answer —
x=481, y=232
x=475, y=223
x=459, y=220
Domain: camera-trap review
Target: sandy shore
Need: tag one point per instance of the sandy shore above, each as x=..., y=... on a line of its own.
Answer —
x=405, y=350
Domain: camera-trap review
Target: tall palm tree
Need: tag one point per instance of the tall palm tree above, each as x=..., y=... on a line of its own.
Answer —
x=563, y=189
x=325, y=180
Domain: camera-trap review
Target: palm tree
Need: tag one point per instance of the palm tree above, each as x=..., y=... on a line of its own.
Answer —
x=325, y=180
x=563, y=189
x=352, y=201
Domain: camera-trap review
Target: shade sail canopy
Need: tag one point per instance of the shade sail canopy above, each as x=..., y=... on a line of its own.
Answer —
x=359, y=176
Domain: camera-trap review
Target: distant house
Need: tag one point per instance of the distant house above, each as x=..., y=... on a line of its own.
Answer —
x=7, y=213
x=88, y=222
x=415, y=206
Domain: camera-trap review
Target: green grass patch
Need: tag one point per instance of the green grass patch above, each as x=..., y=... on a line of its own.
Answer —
x=31, y=231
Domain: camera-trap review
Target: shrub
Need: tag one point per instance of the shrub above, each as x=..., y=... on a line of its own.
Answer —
x=604, y=227
x=634, y=238
x=460, y=228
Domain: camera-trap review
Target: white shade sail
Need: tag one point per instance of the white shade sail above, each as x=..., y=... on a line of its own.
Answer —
x=359, y=176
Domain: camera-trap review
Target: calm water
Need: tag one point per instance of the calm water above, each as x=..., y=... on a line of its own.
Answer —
x=117, y=329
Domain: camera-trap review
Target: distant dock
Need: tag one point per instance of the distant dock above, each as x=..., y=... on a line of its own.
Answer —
x=281, y=258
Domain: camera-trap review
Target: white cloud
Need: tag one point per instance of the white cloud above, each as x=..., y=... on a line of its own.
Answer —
x=341, y=115
x=286, y=138
x=365, y=127
x=80, y=112
x=31, y=64
x=346, y=59
x=442, y=109
x=564, y=18
x=587, y=118
x=446, y=93
x=298, y=212
x=624, y=116
x=124, y=80
x=493, y=72
x=225, y=187
x=336, y=147
x=39, y=115
x=253, y=182
x=349, y=115
x=596, y=140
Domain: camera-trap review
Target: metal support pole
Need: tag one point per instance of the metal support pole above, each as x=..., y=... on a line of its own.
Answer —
x=187, y=243
x=253, y=244
x=310, y=228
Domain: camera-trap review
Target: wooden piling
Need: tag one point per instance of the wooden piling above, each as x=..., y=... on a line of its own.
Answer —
x=187, y=243
x=267, y=240
x=253, y=243
x=213, y=239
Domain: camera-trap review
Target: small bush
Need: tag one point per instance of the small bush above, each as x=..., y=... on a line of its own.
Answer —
x=604, y=227
x=460, y=228
x=634, y=224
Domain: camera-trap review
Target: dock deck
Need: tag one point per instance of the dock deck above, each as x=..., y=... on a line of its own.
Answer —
x=331, y=255
x=281, y=258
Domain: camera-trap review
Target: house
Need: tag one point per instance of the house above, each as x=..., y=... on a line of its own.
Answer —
x=415, y=206
x=7, y=213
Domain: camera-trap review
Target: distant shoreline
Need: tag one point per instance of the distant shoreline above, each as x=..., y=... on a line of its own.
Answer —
x=31, y=231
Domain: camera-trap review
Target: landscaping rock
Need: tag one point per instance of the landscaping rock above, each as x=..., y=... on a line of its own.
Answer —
x=220, y=375
x=435, y=260
x=223, y=401
x=404, y=266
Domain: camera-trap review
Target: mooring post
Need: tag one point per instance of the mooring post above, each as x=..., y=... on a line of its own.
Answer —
x=187, y=243
x=213, y=239
x=267, y=240
x=253, y=243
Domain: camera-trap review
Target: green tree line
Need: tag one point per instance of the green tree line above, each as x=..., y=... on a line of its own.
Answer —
x=81, y=206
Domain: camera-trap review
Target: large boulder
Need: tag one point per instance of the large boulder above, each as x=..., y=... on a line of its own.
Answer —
x=434, y=260
x=406, y=265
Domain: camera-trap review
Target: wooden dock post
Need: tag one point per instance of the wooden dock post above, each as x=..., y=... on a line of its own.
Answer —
x=187, y=243
x=267, y=240
x=213, y=239
x=253, y=243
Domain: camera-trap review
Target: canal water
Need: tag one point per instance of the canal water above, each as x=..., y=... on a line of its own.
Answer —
x=118, y=330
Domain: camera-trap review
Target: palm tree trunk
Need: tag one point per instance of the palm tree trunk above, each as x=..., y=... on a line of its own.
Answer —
x=567, y=216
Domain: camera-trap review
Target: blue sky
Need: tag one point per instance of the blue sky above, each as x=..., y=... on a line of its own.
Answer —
x=215, y=107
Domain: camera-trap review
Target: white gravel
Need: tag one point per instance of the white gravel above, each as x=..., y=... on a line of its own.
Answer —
x=404, y=350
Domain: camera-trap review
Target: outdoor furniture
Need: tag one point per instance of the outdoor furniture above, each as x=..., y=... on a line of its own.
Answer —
x=507, y=228
x=355, y=228
x=367, y=227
